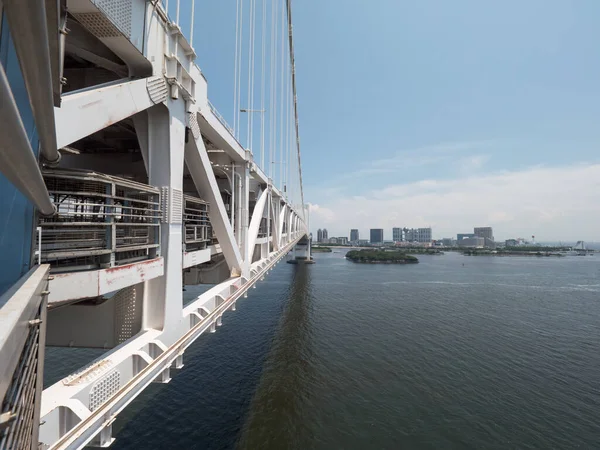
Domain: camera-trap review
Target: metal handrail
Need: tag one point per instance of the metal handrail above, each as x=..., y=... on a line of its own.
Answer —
x=220, y=118
x=22, y=342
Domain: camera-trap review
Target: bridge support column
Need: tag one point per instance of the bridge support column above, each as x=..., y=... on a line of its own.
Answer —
x=166, y=140
x=301, y=253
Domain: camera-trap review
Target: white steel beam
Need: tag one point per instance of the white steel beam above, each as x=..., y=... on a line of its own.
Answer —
x=198, y=164
x=69, y=286
x=17, y=162
x=257, y=215
x=87, y=111
x=27, y=22
x=282, y=216
x=275, y=231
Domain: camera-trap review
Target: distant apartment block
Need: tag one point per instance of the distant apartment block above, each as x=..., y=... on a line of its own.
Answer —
x=484, y=232
x=325, y=235
x=319, y=235
x=376, y=235
x=397, y=234
x=354, y=236
x=421, y=235
x=472, y=242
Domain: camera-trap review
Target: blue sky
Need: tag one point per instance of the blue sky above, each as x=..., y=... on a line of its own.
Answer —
x=450, y=114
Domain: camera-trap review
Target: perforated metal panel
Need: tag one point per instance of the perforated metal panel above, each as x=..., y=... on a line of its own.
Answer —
x=194, y=126
x=128, y=314
x=157, y=89
x=88, y=373
x=172, y=205
x=98, y=24
x=119, y=12
x=104, y=389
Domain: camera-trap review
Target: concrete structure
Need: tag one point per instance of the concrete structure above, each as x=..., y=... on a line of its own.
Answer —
x=397, y=234
x=319, y=235
x=461, y=236
x=420, y=235
x=354, y=235
x=144, y=185
x=448, y=242
x=376, y=236
x=484, y=232
x=511, y=243
x=472, y=242
x=325, y=235
x=342, y=240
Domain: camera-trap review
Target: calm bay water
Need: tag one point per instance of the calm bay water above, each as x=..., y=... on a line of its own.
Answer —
x=496, y=353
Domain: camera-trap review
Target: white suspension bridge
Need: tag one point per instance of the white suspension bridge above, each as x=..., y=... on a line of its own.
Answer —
x=120, y=184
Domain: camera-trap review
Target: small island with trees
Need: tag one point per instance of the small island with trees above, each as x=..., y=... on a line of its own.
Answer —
x=320, y=249
x=380, y=257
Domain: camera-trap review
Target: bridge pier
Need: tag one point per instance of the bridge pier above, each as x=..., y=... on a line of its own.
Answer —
x=302, y=252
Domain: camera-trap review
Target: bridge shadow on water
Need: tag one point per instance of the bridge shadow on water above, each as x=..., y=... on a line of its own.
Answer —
x=283, y=394
x=238, y=386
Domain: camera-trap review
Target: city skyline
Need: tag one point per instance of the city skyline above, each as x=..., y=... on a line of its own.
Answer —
x=507, y=137
x=486, y=232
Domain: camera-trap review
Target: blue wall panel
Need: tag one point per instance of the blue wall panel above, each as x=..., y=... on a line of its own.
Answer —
x=16, y=212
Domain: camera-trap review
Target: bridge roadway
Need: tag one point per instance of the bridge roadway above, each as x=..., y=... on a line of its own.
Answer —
x=150, y=187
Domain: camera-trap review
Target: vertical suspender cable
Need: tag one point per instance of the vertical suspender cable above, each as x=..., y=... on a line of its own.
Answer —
x=235, y=69
x=239, y=65
x=262, y=86
x=281, y=88
x=192, y=26
x=272, y=115
x=293, y=64
x=250, y=113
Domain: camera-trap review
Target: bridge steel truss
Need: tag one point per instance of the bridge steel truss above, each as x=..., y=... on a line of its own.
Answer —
x=132, y=305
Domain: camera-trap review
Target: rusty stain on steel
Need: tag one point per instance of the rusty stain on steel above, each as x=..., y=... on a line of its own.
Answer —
x=140, y=268
x=140, y=265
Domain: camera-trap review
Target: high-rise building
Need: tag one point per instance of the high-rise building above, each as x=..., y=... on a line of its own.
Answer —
x=397, y=234
x=421, y=235
x=376, y=236
x=319, y=235
x=325, y=234
x=354, y=237
x=484, y=232
x=424, y=235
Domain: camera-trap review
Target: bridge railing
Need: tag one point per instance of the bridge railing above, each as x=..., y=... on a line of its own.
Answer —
x=220, y=118
x=22, y=339
x=198, y=232
x=102, y=221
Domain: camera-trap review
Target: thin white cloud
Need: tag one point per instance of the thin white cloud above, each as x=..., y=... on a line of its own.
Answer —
x=419, y=157
x=552, y=203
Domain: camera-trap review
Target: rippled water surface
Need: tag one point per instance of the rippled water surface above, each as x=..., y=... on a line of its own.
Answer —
x=497, y=353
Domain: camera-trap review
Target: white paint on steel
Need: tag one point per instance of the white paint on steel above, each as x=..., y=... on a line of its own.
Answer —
x=85, y=112
x=92, y=283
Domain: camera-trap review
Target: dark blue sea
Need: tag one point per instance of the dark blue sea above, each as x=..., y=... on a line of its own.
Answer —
x=456, y=352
